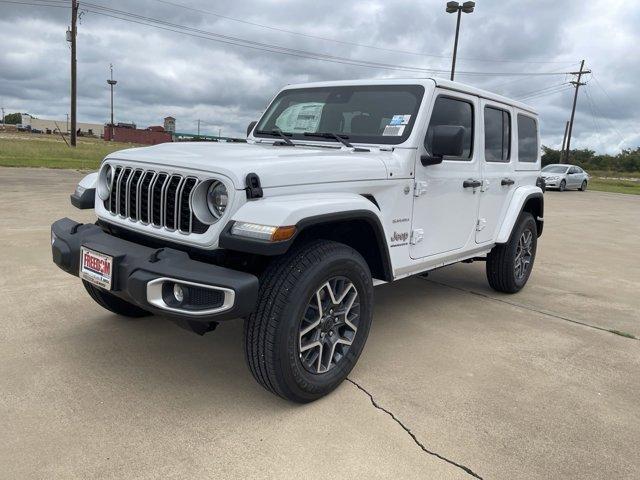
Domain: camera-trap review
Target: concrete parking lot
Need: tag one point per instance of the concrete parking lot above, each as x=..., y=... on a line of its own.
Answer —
x=456, y=380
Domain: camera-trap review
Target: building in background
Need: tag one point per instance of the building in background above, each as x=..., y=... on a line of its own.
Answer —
x=129, y=133
x=34, y=123
x=170, y=124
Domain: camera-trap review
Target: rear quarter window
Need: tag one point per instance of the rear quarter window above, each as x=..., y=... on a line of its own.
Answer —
x=527, y=139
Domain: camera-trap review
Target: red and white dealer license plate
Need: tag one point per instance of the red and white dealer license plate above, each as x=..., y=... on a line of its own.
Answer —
x=96, y=267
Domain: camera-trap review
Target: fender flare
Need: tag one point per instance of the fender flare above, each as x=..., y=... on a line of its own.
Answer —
x=518, y=202
x=305, y=211
x=85, y=193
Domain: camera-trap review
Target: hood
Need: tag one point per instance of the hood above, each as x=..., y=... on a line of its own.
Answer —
x=276, y=166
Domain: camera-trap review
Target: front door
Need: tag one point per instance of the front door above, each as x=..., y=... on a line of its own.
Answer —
x=445, y=206
x=498, y=179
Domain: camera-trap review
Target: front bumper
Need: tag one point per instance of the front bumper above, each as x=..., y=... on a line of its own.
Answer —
x=137, y=269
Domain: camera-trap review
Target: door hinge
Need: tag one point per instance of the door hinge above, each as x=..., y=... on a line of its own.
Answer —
x=419, y=188
x=417, y=235
x=482, y=222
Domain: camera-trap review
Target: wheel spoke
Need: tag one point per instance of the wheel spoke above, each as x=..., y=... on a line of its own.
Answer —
x=331, y=319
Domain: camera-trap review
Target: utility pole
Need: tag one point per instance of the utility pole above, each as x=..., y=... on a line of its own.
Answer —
x=219, y=132
x=111, y=83
x=577, y=84
x=198, y=128
x=564, y=140
x=74, y=34
x=2, y=108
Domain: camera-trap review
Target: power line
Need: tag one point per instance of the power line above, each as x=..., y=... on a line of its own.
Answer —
x=524, y=95
x=54, y=3
x=355, y=44
x=237, y=41
x=545, y=93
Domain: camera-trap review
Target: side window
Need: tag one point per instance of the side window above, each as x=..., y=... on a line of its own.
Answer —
x=578, y=170
x=450, y=111
x=497, y=135
x=527, y=139
x=573, y=170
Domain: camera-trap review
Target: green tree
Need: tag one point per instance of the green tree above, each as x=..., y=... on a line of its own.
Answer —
x=12, y=118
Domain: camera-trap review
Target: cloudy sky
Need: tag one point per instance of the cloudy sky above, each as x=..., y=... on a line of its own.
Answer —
x=194, y=75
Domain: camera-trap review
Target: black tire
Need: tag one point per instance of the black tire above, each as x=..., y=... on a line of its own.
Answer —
x=272, y=340
x=563, y=186
x=502, y=273
x=583, y=187
x=112, y=303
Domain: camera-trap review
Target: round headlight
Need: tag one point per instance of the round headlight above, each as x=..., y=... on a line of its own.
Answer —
x=217, y=198
x=105, y=180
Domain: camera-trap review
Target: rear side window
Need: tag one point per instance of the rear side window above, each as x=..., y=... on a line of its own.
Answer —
x=451, y=111
x=527, y=139
x=497, y=135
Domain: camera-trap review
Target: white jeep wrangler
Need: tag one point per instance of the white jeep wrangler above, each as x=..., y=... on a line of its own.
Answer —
x=341, y=186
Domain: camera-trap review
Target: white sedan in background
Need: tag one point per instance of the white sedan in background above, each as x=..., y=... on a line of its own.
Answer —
x=562, y=176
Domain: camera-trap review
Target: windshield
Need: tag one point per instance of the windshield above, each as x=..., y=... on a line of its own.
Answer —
x=555, y=169
x=366, y=114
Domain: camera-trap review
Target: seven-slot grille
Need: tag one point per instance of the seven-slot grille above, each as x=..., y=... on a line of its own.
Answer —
x=156, y=198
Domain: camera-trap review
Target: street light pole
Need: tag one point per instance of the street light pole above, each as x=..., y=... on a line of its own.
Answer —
x=111, y=83
x=453, y=7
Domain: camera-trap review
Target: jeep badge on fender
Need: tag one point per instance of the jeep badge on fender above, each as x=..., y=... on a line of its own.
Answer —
x=341, y=186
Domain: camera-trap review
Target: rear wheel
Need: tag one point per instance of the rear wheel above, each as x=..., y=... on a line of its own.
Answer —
x=583, y=187
x=509, y=265
x=112, y=303
x=563, y=185
x=312, y=320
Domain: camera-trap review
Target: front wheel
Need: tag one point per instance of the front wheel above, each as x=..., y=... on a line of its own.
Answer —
x=312, y=320
x=583, y=187
x=112, y=303
x=509, y=265
x=563, y=186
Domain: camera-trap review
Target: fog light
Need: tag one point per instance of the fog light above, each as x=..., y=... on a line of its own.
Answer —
x=178, y=293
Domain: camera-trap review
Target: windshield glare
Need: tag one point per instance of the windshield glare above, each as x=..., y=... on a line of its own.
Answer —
x=555, y=169
x=366, y=114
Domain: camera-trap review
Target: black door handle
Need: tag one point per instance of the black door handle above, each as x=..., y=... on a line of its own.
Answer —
x=471, y=183
x=507, y=181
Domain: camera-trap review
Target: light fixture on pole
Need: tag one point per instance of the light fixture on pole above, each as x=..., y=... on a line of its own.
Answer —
x=453, y=7
x=111, y=82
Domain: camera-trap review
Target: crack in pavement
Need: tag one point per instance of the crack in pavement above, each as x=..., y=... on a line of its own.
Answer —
x=411, y=434
x=531, y=309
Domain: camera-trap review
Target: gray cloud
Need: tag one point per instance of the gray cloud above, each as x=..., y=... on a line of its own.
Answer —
x=225, y=86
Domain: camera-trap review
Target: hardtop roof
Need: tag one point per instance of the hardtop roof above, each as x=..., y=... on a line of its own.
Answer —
x=439, y=82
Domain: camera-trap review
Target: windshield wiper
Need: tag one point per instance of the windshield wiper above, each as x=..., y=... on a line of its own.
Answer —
x=339, y=137
x=278, y=133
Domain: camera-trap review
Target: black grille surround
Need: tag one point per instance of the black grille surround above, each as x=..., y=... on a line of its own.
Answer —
x=154, y=198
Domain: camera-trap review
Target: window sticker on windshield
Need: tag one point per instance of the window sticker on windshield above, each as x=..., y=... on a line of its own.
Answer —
x=400, y=120
x=393, y=131
x=300, y=118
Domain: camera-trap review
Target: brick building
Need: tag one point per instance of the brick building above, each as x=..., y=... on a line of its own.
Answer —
x=148, y=136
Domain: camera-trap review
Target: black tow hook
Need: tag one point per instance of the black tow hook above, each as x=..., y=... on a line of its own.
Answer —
x=154, y=257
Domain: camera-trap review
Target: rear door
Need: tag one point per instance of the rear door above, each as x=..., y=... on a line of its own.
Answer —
x=444, y=211
x=498, y=179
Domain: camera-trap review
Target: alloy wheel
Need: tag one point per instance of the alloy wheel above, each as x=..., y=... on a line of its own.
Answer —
x=329, y=325
x=524, y=254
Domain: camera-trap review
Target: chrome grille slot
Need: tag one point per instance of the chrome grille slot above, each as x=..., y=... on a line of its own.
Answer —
x=122, y=192
x=132, y=194
x=157, y=198
x=144, y=196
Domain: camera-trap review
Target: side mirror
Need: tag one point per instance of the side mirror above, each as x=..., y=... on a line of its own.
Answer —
x=250, y=127
x=447, y=141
